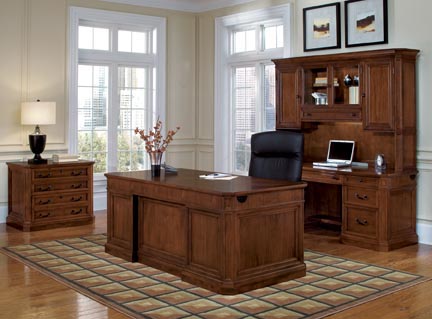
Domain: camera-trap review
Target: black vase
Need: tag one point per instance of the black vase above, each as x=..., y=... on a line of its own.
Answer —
x=348, y=81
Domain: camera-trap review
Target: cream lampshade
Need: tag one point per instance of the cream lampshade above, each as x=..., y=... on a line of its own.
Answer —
x=38, y=113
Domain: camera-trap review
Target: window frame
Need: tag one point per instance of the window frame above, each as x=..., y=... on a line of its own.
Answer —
x=115, y=21
x=225, y=60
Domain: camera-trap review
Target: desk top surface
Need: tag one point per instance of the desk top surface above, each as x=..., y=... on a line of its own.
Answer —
x=189, y=179
x=353, y=170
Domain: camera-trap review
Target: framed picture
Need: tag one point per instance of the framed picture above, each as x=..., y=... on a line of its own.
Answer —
x=321, y=27
x=365, y=22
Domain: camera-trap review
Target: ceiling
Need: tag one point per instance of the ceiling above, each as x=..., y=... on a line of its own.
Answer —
x=184, y=5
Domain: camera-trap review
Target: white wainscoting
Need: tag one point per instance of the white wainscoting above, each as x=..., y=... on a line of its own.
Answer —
x=424, y=198
x=205, y=157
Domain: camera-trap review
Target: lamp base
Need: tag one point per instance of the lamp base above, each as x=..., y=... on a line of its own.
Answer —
x=37, y=145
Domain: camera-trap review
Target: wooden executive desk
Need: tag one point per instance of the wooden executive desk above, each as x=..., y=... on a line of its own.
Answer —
x=226, y=236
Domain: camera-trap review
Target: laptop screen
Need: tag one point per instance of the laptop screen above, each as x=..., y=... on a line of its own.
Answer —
x=340, y=150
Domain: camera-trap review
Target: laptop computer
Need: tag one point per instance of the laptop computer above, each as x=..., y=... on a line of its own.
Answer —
x=340, y=153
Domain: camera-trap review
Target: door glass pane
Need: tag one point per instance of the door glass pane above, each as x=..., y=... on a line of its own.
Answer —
x=269, y=98
x=273, y=37
x=134, y=112
x=100, y=39
x=93, y=114
x=244, y=41
x=124, y=41
x=93, y=38
x=244, y=115
x=132, y=41
x=85, y=37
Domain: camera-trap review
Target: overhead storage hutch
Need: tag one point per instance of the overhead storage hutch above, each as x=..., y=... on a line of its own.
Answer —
x=377, y=109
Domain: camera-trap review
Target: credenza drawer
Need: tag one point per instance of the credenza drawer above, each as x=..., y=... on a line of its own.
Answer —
x=57, y=186
x=67, y=212
x=361, y=221
x=361, y=196
x=43, y=201
x=59, y=172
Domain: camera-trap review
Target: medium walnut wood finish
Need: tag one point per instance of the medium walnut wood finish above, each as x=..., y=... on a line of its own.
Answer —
x=50, y=195
x=378, y=211
x=27, y=294
x=227, y=236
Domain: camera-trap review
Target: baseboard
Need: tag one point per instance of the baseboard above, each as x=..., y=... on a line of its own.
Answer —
x=3, y=212
x=100, y=201
x=424, y=232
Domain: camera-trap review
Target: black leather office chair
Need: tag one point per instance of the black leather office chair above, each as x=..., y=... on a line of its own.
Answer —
x=277, y=155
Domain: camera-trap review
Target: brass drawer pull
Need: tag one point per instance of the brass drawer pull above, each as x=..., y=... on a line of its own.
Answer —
x=77, y=173
x=45, y=189
x=73, y=199
x=74, y=186
x=361, y=197
x=242, y=199
x=44, y=215
x=363, y=222
x=76, y=212
x=41, y=202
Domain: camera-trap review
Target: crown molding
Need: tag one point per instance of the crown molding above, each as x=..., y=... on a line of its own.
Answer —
x=194, y=6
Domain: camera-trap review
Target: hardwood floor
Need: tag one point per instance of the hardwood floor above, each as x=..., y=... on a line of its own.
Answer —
x=25, y=293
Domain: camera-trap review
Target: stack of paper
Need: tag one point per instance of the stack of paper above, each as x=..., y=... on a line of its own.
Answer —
x=59, y=158
x=218, y=176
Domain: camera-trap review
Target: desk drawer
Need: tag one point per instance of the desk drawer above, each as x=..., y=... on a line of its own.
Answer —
x=361, y=181
x=322, y=176
x=361, y=222
x=361, y=196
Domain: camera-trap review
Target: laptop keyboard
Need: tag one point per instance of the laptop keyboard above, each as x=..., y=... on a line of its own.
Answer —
x=330, y=164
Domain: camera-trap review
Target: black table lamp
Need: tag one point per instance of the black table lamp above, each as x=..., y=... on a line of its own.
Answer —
x=38, y=113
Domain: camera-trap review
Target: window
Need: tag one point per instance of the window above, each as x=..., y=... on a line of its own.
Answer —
x=117, y=84
x=245, y=81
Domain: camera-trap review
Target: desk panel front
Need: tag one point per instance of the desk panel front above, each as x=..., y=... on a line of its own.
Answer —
x=228, y=236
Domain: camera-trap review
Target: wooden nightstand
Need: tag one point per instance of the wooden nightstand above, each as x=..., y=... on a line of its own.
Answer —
x=50, y=195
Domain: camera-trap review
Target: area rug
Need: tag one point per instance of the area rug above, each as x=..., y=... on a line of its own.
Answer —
x=332, y=284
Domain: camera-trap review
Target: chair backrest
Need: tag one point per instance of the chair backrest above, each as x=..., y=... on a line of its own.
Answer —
x=277, y=155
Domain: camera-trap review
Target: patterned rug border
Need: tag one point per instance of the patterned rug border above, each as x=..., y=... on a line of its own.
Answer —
x=122, y=309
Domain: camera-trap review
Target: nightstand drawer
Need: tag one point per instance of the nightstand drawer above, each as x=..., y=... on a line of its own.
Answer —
x=361, y=196
x=361, y=222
